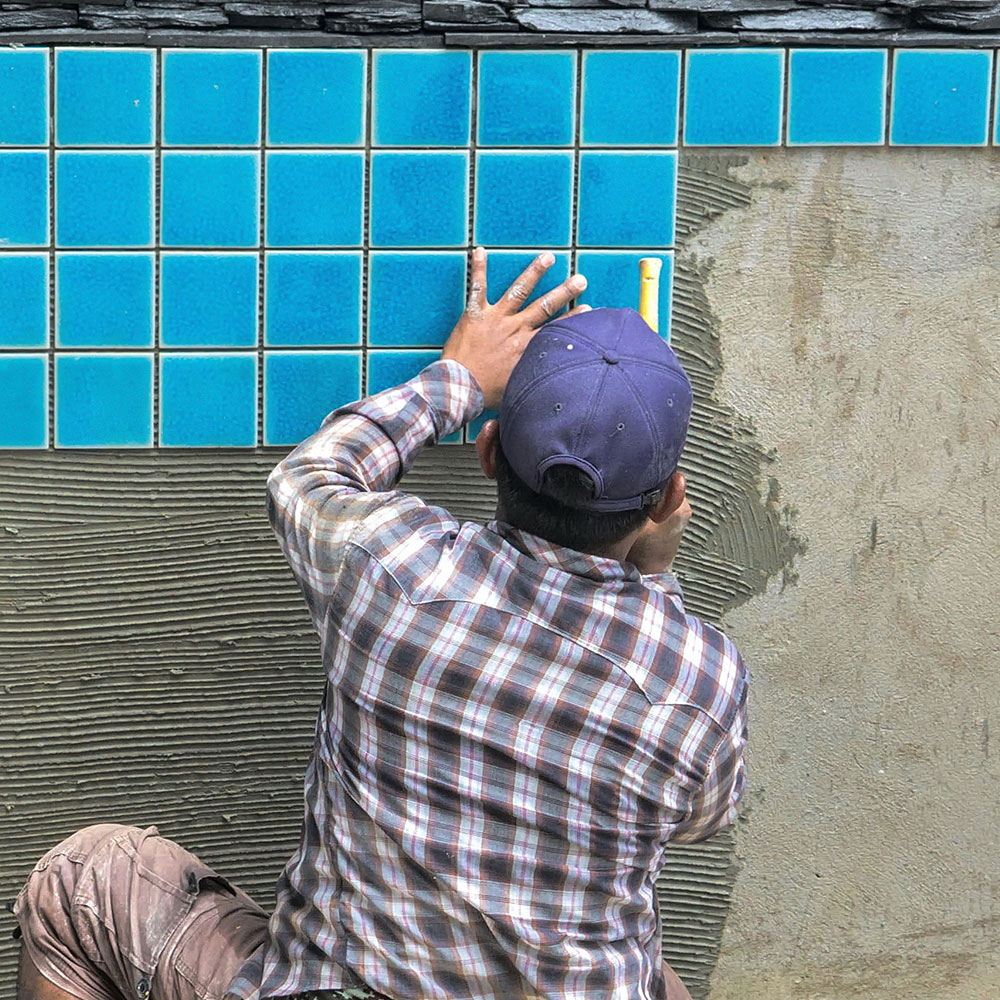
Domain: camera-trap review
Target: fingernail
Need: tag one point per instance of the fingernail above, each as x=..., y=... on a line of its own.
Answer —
x=479, y=253
x=578, y=281
x=584, y=308
x=547, y=259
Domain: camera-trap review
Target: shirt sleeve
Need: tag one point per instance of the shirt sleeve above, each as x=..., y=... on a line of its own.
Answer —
x=324, y=491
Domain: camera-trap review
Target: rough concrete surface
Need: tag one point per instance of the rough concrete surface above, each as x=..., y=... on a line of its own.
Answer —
x=857, y=301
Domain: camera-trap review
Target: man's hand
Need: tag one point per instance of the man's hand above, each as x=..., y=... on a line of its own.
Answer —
x=655, y=548
x=489, y=339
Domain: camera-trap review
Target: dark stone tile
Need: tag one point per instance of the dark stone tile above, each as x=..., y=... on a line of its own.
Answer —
x=616, y=21
x=273, y=15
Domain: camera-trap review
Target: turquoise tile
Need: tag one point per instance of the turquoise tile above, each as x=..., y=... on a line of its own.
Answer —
x=24, y=199
x=836, y=97
x=211, y=98
x=419, y=199
x=732, y=97
x=208, y=400
x=24, y=391
x=104, y=199
x=104, y=401
x=208, y=300
x=421, y=98
x=387, y=369
x=627, y=199
x=940, y=97
x=301, y=389
x=315, y=199
x=24, y=300
x=104, y=300
x=526, y=98
x=104, y=97
x=209, y=200
x=524, y=199
x=414, y=299
x=630, y=98
x=613, y=280
x=315, y=98
x=312, y=299
x=24, y=97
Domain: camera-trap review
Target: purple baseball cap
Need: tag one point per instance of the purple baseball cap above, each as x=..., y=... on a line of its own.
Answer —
x=600, y=391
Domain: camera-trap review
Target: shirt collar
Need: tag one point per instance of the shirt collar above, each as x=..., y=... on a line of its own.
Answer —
x=599, y=568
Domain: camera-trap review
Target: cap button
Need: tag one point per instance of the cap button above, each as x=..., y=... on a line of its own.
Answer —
x=612, y=359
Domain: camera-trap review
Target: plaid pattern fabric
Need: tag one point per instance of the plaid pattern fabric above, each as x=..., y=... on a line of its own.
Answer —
x=511, y=732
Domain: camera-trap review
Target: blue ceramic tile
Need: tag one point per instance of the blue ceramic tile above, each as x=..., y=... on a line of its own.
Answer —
x=24, y=199
x=422, y=98
x=104, y=300
x=24, y=300
x=209, y=200
x=733, y=97
x=301, y=389
x=414, y=298
x=104, y=97
x=208, y=300
x=208, y=400
x=526, y=98
x=104, y=401
x=419, y=199
x=312, y=299
x=24, y=97
x=627, y=199
x=211, y=98
x=104, y=199
x=613, y=280
x=940, y=98
x=315, y=98
x=24, y=391
x=387, y=369
x=836, y=96
x=524, y=199
x=630, y=98
x=315, y=199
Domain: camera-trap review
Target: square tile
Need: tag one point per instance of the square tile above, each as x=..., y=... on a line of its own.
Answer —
x=627, y=199
x=732, y=97
x=414, y=299
x=524, y=199
x=301, y=389
x=613, y=82
x=104, y=300
x=209, y=200
x=421, y=98
x=315, y=98
x=315, y=199
x=526, y=98
x=24, y=199
x=940, y=97
x=312, y=299
x=419, y=199
x=104, y=199
x=388, y=369
x=211, y=98
x=24, y=300
x=208, y=400
x=613, y=280
x=104, y=401
x=104, y=97
x=836, y=97
x=208, y=300
x=24, y=383
x=24, y=104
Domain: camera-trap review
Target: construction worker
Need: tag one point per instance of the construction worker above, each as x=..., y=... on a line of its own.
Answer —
x=517, y=719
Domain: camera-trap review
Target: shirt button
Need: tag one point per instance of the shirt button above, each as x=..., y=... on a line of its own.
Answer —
x=142, y=989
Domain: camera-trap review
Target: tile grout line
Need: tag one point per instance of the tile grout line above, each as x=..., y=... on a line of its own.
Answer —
x=367, y=112
x=260, y=389
x=157, y=123
x=473, y=154
x=574, y=218
x=50, y=226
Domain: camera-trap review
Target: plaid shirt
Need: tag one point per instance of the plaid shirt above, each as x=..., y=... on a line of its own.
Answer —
x=510, y=734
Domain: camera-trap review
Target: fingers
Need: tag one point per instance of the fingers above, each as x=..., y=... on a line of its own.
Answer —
x=519, y=293
x=544, y=308
x=477, y=286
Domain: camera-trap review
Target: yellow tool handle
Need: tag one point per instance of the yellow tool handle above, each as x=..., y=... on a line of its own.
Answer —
x=649, y=290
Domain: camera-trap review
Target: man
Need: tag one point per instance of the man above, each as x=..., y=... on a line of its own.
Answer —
x=517, y=718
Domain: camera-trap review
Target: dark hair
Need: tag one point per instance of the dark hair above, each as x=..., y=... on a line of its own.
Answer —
x=557, y=520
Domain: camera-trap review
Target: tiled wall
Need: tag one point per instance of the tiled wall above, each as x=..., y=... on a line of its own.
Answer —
x=215, y=248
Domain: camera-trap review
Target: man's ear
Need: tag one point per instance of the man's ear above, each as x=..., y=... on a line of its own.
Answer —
x=673, y=496
x=487, y=446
